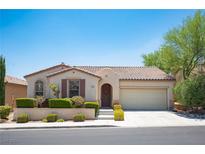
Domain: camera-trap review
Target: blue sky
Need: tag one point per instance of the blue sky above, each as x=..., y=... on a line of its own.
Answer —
x=34, y=39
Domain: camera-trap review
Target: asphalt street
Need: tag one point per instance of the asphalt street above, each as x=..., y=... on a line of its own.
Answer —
x=105, y=136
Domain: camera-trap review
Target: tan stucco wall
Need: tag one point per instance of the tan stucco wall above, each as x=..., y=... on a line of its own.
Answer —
x=110, y=77
x=91, y=83
x=179, y=76
x=13, y=91
x=151, y=84
x=66, y=114
x=40, y=76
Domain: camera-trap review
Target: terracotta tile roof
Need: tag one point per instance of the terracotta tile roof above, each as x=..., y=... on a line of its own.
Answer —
x=132, y=72
x=124, y=72
x=47, y=69
x=72, y=68
x=14, y=80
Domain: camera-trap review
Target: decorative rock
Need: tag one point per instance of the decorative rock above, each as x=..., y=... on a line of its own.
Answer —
x=192, y=115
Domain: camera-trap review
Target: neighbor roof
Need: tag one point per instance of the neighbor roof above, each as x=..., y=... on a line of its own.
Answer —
x=14, y=80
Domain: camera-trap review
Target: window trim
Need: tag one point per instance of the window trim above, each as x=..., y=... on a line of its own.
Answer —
x=37, y=91
x=68, y=85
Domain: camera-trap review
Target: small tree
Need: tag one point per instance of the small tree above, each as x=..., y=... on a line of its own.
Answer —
x=54, y=89
x=191, y=92
x=2, y=77
x=182, y=48
x=165, y=59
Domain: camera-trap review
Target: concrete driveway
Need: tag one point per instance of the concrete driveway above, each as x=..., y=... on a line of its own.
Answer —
x=158, y=119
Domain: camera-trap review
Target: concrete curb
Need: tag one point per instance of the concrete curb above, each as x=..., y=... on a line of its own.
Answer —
x=47, y=127
x=90, y=126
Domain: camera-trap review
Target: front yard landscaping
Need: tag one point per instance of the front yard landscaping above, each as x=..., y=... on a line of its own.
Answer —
x=4, y=113
x=58, y=110
x=190, y=96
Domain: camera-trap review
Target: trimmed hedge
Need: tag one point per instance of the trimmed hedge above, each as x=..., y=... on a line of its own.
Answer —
x=79, y=117
x=60, y=103
x=22, y=118
x=118, y=115
x=25, y=102
x=4, y=111
x=52, y=117
x=92, y=105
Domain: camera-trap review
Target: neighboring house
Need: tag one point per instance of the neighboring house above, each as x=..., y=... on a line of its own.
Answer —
x=200, y=69
x=14, y=88
x=143, y=88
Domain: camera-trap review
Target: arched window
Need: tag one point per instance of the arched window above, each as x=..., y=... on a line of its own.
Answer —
x=39, y=88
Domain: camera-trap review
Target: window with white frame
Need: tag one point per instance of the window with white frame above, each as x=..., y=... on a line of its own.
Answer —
x=39, y=88
x=74, y=88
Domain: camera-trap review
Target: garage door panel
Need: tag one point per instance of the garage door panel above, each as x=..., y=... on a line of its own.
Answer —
x=143, y=99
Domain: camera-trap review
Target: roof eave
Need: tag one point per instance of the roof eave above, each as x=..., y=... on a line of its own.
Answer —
x=46, y=69
x=151, y=79
x=84, y=71
x=16, y=84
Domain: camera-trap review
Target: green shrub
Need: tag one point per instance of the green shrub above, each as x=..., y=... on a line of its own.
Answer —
x=177, y=92
x=60, y=103
x=78, y=101
x=79, y=117
x=92, y=105
x=190, y=92
x=118, y=115
x=4, y=111
x=25, y=102
x=60, y=120
x=117, y=107
x=44, y=120
x=22, y=118
x=52, y=117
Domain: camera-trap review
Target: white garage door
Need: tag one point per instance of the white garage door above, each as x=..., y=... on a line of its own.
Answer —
x=144, y=99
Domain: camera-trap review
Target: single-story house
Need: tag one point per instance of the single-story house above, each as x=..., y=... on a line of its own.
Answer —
x=137, y=88
x=14, y=88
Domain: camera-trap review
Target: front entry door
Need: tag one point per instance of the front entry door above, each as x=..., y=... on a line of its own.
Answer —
x=106, y=95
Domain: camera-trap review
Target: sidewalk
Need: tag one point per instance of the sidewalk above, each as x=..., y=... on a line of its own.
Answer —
x=66, y=124
x=132, y=119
